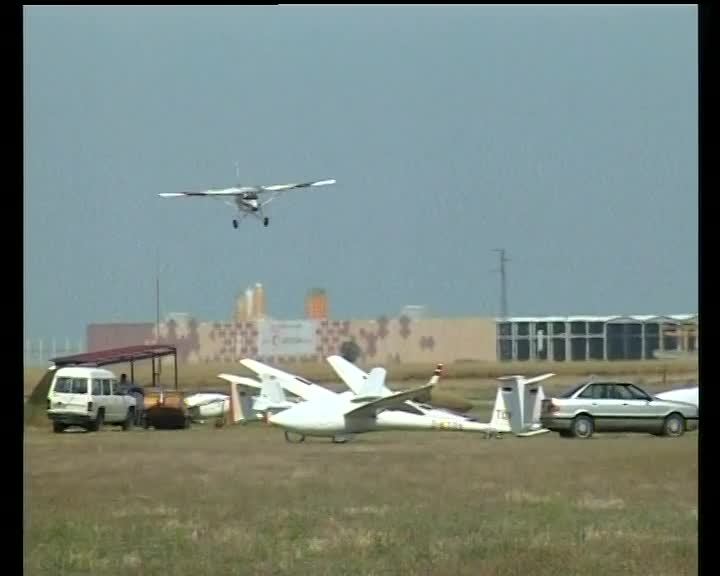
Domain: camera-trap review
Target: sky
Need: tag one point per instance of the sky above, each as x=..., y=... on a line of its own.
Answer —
x=567, y=135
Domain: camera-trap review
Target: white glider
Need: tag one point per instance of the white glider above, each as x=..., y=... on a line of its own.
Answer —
x=687, y=395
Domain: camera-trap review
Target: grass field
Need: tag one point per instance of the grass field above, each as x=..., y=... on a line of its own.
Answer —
x=240, y=500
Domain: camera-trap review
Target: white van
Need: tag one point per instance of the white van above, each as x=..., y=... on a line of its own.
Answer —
x=88, y=397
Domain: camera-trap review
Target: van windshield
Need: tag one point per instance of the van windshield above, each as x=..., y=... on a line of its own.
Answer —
x=65, y=385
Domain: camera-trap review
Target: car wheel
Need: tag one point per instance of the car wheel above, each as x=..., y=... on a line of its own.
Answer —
x=129, y=419
x=99, y=421
x=674, y=426
x=583, y=426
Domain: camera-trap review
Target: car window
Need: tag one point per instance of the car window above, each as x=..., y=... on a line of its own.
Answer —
x=636, y=392
x=106, y=388
x=97, y=387
x=79, y=386
x=570, y=393
x=621, y=392
x=63, y=385
x=591, y=391
x=66, y=385
x=597, y=392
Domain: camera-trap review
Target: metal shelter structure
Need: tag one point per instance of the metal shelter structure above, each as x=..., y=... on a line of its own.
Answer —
x=129, y=354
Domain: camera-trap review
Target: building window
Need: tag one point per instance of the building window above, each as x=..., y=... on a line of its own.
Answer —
x=595, y=327
x=505, y=346
x=578, y=350
x=652, y=343
x=652, y=329
x=596, y=349
x=523, y=328
x=505, y=329
x=578, y=327
x=558, y=328
x=633, y=329
x=523, y=350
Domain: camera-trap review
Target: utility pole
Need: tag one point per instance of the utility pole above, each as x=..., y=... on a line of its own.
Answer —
x=157, y=312
x=503, y=282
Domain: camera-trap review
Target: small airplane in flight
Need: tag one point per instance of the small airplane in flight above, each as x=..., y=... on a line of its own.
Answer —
x=248, y=200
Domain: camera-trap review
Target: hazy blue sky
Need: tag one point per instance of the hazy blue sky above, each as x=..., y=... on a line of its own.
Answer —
x=568, y=135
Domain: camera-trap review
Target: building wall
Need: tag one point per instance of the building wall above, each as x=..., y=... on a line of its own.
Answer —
x=103, y=336
x=381, y=340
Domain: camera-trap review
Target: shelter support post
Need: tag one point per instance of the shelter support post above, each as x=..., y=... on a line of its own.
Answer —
x=175, y=361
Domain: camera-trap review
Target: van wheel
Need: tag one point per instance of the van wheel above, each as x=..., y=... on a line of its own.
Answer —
x=582, y=426
x=129, y=419
x=59, y=428
x=674, y=426
x=99, y=421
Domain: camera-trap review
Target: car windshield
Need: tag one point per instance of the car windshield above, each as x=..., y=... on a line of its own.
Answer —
x=570, y=393
x=65, y=385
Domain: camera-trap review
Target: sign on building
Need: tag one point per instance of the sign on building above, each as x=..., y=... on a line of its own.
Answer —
x=288, y=338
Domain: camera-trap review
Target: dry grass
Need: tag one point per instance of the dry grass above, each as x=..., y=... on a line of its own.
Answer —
x=242, y=501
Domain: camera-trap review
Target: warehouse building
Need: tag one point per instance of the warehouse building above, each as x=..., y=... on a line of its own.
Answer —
x=579, y=338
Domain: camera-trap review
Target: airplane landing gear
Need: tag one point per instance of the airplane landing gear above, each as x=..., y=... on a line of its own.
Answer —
x=235, y=223
x=266, y=221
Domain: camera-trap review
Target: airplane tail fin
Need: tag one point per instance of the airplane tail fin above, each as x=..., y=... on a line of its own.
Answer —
x=236, y=409
x=523, y=400
x=375, y=383
x=500, y=420
x=436, y=375
x=271, y=391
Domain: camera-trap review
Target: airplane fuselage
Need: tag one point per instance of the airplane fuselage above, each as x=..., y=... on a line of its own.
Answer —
x=246, y=204
x=329, y=420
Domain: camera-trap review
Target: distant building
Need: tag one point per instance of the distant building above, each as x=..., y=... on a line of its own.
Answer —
x=414, y=311
x=118, y=335
x=316, y=305
x=250, y=305
x=580, y=338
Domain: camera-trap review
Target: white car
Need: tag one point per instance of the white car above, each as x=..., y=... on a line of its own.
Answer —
x=89, y=398
x=609, y=406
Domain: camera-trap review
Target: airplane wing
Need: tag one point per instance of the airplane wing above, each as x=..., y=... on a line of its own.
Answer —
x=353, y=376
x=242, y=380
x=222, y=192
x=202, y=399
x=374, y=406
x=276, y=189
x=293, y=384
x=532, y=380
x=283, y=187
